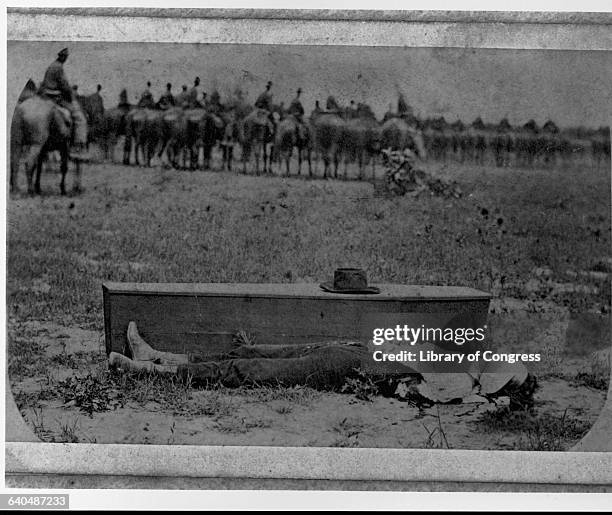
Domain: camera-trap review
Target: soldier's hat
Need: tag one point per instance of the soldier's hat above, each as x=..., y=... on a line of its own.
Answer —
x=269, y=83
x=63, y=52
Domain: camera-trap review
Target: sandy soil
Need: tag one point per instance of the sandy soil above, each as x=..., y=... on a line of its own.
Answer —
x=293, y=417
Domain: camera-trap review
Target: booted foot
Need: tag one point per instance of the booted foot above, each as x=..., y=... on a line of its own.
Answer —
x=139, y=349
x=142, y=351
x=124, y=364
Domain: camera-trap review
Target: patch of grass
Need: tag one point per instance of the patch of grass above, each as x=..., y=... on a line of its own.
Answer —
x=283, y=409
x=68, y=431
x=172, y=435
x=241, y=425
x=361, y=386
x=437, y=241
x=436, y=437
x=25, y=354
x=243, y=337
x=597, y=373
x=300, y=395
x=25, y=399
x=65, y=361
x=36, y=418
x=544, y=432
x=91, y=394
x=349, y=430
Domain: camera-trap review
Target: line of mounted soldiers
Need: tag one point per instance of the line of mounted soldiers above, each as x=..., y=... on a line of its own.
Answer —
x=500, y=144
x=351, y=133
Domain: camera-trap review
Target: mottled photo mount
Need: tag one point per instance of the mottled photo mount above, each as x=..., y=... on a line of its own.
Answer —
x=591, y=32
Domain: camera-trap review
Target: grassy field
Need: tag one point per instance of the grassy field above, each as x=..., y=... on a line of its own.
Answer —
x=538, y=239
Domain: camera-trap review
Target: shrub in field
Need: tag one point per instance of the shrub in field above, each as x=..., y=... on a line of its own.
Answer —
x=361, y=385
x=93, y=393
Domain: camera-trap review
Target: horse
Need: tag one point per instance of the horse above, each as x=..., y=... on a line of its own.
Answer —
x=285, y=138
x=396, y=134
x=145, y=127
x=256, y=134
x=40, y=125
x=328, y=131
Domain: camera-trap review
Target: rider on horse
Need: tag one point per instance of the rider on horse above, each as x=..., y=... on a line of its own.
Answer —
x=295, y=108
x=55, y=86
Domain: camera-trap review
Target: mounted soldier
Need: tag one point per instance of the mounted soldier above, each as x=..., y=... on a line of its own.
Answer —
x=332, y=105
x=124, y=103
x=97, y=98
x=146, y=99
x=402, y=106
x=264, y=101
x=352, y=111
x=196, y=96
x=182, y=99
x=55, y=86
x=166, y=101
x=214, y=104
x=295, y=108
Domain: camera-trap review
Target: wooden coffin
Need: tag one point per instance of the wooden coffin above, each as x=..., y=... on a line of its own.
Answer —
x=188, y=317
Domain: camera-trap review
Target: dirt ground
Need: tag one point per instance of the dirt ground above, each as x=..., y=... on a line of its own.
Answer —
x=549, y=273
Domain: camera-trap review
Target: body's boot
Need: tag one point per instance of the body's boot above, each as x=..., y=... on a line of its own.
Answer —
x=142, y=351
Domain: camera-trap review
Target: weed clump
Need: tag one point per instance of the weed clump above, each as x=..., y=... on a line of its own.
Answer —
x=91, y=394
x=545, y=432
x=361, y=386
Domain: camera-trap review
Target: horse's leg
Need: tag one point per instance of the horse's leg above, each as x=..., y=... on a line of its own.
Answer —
x=373, y=158
x=77, y=177
x=30, y=162
x=39, y=165
x=266, y=165
x=15, y=156
x=336, y=162
x=299, y=154
x=63, y=167
x=127, y=150
x=326, y=163
x=230, y=155
x=245, y=158
x=196, y=158
x=207, y=154
x=224, y=157
x=308, y=156
x=150, y=151
x=137, y=152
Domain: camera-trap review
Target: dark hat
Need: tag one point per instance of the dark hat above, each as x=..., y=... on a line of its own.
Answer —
x=299, y=90
x=63, y=52
x=349, y=280
x=269, y=83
